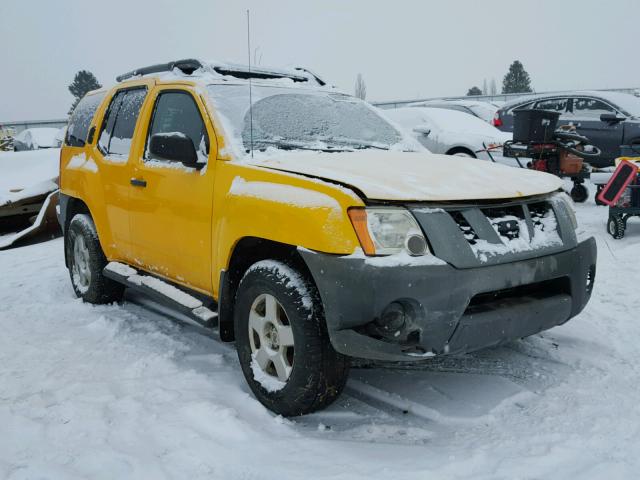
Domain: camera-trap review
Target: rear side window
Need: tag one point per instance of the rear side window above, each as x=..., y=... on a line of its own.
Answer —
x=81, y=119
x=526, y=106
x=177, y=112
x=120, y=122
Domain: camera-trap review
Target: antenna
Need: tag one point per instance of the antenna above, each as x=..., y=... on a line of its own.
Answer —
x=250, y=97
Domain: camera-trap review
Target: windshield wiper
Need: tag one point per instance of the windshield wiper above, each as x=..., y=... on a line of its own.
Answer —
x=289, y=145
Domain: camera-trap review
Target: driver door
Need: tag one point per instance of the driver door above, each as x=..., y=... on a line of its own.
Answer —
x=171, y=204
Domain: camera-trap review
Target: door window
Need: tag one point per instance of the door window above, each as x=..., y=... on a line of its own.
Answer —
x=177, y=112
x=553, y=104
x=81, y=119
x=526, y=106
x=120, y=122
x=590, y=107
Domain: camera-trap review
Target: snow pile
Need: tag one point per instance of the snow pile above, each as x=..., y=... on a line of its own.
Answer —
x=27, y=174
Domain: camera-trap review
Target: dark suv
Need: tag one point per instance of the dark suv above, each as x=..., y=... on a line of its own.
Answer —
x=609, y=119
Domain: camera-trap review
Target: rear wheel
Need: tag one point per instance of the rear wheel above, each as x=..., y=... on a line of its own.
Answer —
x=282, y=341
x=86, y=261
x=579, y=193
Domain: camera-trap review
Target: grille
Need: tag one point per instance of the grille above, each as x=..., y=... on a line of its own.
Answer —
x=467, y=230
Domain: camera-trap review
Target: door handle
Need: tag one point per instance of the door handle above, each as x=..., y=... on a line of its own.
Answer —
x=138, y=182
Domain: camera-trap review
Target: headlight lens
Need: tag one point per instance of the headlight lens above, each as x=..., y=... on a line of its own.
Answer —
x=385, y=231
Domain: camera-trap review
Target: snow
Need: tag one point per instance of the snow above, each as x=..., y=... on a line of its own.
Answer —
x=289, y=277
x=81, y=162
x=127, y=391
x=269, y=382
x=40, y=137
x=388, y=175
x=398, y=259
x=282, y=193
x=27, y=174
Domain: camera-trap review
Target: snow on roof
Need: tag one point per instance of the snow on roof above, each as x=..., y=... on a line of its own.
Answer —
x=207, y=72
x=444, y=119
x=625, y=101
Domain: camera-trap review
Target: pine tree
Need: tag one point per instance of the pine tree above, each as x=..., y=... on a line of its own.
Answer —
x=516, y=80
x=83, y=82
x=361, y=88
x=474, y=91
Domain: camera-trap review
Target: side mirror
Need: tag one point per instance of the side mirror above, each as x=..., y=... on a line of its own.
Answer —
x=174, y=146
x=422, y=130
x=611, y=118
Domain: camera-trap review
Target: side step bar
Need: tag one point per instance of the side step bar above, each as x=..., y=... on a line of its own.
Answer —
x=163, y=292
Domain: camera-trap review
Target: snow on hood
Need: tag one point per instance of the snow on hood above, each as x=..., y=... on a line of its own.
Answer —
x=27, y=174
x=405, y=176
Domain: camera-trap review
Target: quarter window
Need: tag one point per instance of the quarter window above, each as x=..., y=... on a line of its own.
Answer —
x=590, y=107
x=81, y=119
x=177, y=112
x=120, y=122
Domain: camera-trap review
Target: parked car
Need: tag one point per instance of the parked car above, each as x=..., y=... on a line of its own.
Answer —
x=307, y=228
x=610, y=120
x=28, y=186
x=36, y=138
x=483, y=110
x=451, y=132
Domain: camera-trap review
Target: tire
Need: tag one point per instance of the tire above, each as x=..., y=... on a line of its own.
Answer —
x=461, y=152
x=579, y=193
x=86, y=260
x=295, y=370
x=616, y=227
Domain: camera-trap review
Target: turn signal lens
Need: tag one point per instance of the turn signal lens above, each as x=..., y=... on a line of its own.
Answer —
x=358, y=218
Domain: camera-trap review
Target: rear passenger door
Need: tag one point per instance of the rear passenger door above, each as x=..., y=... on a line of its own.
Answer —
x=585, y=116
x=171, y=204
x=114, y=147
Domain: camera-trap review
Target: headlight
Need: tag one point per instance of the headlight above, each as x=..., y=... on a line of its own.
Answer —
x=570, y=207
x=385, y=231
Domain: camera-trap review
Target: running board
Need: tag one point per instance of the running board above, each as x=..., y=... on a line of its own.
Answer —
x=162, y=292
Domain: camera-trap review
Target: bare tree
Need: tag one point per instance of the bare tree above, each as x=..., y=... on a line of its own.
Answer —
x=361, y=88
x=494, y=87
x=484, y=87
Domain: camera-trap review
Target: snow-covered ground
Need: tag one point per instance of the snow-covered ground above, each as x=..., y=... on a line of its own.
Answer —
x=117, y=392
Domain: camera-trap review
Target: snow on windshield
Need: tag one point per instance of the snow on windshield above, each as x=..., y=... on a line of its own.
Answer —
x=298, y=118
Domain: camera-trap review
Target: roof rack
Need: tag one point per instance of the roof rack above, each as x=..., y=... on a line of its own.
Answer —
x=187, y=65
x=244, y=73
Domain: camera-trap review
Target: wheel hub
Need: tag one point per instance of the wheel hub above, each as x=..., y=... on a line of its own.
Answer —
x=271, y=337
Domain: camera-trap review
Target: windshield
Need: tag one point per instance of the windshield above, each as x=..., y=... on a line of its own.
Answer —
x=294, y=119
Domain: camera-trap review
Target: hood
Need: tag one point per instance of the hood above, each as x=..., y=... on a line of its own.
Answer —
x=419, y=176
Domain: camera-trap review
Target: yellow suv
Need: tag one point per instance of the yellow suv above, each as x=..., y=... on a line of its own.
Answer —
x=307, y=227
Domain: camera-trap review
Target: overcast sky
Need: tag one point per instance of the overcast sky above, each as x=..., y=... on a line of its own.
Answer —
x=404, y=49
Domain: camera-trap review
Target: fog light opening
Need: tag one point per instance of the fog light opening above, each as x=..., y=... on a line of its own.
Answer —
x=392, y=320
x=416, y=245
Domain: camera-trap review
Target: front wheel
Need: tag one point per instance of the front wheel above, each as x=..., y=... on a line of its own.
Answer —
x=282, y=341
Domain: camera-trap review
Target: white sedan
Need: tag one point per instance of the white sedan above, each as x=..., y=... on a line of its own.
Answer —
x=451, y=132
x=37, y=138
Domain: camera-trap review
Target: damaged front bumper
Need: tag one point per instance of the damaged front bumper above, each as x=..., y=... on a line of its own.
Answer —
x=447, y=309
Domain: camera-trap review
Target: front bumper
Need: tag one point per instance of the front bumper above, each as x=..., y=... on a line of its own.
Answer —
x=453, y=310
